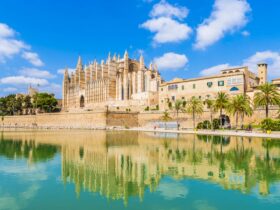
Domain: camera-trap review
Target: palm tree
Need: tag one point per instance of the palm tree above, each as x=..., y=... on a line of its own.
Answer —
x=194, y=107
x=240, y=106
x=165, y=117
x=268, y=95
x=178, y=107
x=221, y=103
x=235, y=107
x=210, y=105
x=247, y=109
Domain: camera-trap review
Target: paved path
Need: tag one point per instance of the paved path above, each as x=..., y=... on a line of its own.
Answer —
x=274, y=135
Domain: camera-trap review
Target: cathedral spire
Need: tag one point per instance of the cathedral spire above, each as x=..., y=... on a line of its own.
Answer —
x=79, y=61
x=126, y=55
x=79, y=64
x=151, y=66
x=115, y=57
x=109, y=58
x=142, y=64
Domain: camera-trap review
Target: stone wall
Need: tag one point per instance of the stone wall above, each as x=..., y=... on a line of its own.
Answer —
x=58, y=120
x=124, y=119
x=101, y=119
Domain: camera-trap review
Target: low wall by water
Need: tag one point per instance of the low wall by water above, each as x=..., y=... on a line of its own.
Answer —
x=102, y=119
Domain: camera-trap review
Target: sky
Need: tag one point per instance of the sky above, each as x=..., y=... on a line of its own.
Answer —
x=185, y=38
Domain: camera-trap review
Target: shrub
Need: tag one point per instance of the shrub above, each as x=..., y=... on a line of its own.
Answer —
x=157, y=107
x=204, y=125
x=270, y=124
x=207, y=124
x=216, y=124
x=199, y=125
x=147, y=108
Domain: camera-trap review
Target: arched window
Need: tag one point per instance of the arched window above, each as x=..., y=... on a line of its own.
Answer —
x=234, y=89
x=82, y=102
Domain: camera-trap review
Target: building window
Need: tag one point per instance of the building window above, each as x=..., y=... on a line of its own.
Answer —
x=221, y=83
x=172, y=87
x=183, y=98
x=234, y=89
x=209, y=84
x=193, y=86
x=183, y=87
x=173, y=98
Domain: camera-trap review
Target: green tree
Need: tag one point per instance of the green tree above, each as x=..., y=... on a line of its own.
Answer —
x=210, y=106
x=45, y=102
x=194, y=107
x=266, y=96
x=239, y=106
x=27, y=104
x=165, y=117
x=10, y=104
x=221, y=103
x=178, y=107
x=247, y=109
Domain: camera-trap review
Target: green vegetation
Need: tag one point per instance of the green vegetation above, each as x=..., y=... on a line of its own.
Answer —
x=240, y=106
x=221, y=103
x=194, y=107
x=270, y=125
x=210, y=106
x=204, y=125
x=165, y=118
x=178, y=107
x=45, y=102
x=267, y=96
x=24, y=104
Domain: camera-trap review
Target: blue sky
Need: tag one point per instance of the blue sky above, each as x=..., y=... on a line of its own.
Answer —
x=186, y=39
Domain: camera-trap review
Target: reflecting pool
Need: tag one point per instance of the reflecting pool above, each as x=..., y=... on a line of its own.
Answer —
x=137, y=170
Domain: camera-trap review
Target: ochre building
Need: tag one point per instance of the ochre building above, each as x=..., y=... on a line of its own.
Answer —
x=233, y=81
x=115, y=83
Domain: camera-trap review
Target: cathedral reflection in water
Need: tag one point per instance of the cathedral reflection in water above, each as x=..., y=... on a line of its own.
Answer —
x=119, y=165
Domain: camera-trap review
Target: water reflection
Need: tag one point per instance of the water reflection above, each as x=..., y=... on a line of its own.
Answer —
x=119, y=165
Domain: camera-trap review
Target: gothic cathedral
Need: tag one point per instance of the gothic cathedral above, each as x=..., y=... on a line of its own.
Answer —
x=117, y=83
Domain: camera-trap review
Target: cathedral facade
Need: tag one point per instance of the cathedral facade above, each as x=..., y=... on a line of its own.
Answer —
x=118, y=82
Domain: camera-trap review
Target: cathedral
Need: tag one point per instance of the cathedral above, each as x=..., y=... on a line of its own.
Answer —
x=118, y=82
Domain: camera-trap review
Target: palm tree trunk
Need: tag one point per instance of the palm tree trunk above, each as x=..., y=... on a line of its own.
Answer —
x=242, y=120
x=236, y=121
x=193, y=120
x=221, y=121
x=177, y=120
x=211, y=118
x=266, y=111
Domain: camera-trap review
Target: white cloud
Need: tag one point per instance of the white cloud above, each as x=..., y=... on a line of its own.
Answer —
x=22, y=80
x=167, y=30
x=166, y=23
x=70, y=71
x=215, y=69
x=6, y=31
x=172, y=190
x=33, y=58
x=245, y=33
x=227, y=16
x=10, y=89
x=270, y=57
x=164, y=9
x=52, y=88
x=11, y=46
x=33, y=72
x=171, y=61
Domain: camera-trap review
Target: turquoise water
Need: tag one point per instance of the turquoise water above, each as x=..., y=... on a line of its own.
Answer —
x=130, y=170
